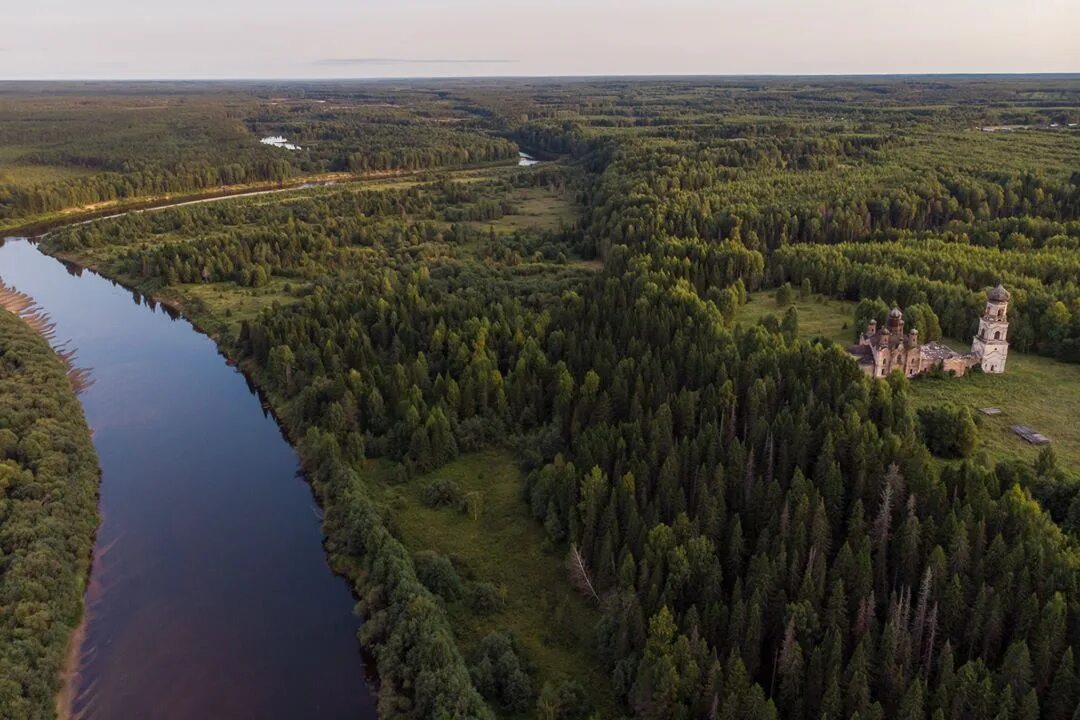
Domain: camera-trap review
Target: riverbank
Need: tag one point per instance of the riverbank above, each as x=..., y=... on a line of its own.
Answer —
x=45, y=453
x=23, y=307
x=359, y=547
x=38, y=224
x=209, y=547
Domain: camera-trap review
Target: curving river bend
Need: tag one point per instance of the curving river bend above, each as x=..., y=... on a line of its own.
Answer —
x=210, y=595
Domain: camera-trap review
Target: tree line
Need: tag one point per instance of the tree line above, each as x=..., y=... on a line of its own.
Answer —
x=48, y=515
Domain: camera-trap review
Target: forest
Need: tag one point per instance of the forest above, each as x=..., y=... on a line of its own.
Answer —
x=48, y=514
x=756, y=529
x=69, y=149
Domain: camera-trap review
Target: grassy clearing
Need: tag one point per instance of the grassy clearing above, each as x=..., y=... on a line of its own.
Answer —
x=22, y=175
x=535, y=208
x=539, y=208
x=217, y=308
x=819, y=316
x=1034, y=390
x=220, y=308
x=507, y=547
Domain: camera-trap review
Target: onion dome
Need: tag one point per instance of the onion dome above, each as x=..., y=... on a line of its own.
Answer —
x=895, y=313
x=998, y=294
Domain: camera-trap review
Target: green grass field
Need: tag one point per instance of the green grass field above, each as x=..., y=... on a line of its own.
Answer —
x=25, y=175
x=1034, y=390
x=221, y=307
x=819, y=316
x=538, y=208
x=507, y=547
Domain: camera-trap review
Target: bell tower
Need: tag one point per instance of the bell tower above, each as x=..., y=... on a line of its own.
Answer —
x=990, y=345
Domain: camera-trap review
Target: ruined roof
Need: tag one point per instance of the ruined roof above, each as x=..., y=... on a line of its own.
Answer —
x=862, y=354
x=998, y=294
x=937, y=351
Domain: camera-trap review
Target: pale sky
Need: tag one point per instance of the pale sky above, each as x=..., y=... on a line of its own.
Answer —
x=50, y=39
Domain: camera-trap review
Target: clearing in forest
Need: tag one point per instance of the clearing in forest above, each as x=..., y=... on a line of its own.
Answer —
x=1034, y=390
x=505, y=546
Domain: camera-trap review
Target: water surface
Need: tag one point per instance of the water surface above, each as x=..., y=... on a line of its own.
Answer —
x=279, y=141
x=210, y=595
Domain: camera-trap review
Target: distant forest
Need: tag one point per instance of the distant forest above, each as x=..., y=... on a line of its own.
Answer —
x=755, y=529
x=76, y=151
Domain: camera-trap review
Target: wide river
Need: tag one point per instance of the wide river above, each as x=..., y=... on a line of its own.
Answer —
x=210, y=595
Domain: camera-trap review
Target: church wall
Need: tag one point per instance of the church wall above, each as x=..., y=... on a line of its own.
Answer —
x=958, y=365
x=891, y=349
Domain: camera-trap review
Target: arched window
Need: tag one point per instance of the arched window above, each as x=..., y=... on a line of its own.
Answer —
x=997, y=334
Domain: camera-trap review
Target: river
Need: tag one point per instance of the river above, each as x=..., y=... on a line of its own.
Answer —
x=210, y=595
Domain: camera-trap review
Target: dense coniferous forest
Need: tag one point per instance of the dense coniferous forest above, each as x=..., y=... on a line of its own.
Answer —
x=758, y=529
x=48, y=513
x=71, y=148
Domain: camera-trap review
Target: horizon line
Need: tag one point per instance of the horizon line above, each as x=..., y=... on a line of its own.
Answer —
x=589, y=76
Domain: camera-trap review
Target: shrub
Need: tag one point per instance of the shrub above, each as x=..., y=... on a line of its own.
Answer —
x=562, y=700
x=441, y=492
x=438, y=575
x=785, y=295
x=486, y=598
x=399, y=475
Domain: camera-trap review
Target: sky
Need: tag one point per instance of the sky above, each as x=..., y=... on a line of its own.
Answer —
x=195, y=39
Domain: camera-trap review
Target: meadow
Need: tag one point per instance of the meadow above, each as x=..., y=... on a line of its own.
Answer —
x=1036, y=391
x=501, y=544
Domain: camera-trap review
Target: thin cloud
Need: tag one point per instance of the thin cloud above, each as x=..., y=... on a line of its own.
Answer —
x=412, y=61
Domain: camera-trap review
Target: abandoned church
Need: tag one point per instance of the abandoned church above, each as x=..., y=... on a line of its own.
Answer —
x=882, y=350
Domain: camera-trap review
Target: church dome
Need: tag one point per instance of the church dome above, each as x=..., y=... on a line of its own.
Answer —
x=998, y=294
x=895, y=313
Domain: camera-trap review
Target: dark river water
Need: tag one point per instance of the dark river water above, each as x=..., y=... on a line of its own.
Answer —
x=210, y=595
